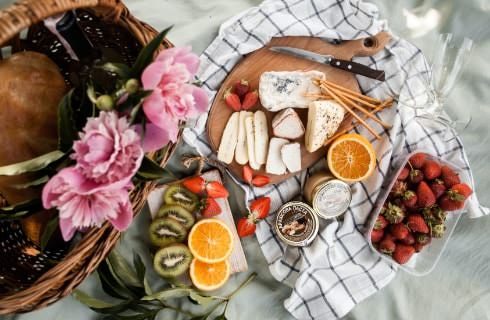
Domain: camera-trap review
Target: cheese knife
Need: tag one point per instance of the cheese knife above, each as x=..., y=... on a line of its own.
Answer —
x=345, y=65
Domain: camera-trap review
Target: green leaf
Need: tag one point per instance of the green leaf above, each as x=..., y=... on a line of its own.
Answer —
x=122, y=269
x=146, y=54
x=121, y=69
x=200, y=299
x=50, y=228
x=113, y=309
x=111, y=284
x=178, y=293
x=139, y=266
x=203, y=317
x=90, y=301
x=91, y=93
x=31, y=165
x=150, y=170
x=67, y=132
x=33, y=183
x=148, y=289
x=221, y=317
x=21, y=209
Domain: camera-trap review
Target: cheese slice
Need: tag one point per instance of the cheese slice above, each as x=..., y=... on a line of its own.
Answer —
x=227, y=146
x=275, y=165
x=249, y=130
x=287, y=124
x=324, y=118
x=287, y=89
x=261, y=134
x=291, y=156
x=241, y=152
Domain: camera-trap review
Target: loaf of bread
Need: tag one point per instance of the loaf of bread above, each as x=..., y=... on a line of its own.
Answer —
x=30, y=91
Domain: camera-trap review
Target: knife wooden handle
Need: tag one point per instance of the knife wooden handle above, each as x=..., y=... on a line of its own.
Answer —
x=358, y=68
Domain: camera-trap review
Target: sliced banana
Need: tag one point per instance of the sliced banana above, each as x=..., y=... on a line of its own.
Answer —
x=226, y=151
x=241, y=152
x=249, y=129
x=261, y=134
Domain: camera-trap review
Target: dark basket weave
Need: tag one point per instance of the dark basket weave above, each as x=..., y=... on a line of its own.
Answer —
x=31, y=279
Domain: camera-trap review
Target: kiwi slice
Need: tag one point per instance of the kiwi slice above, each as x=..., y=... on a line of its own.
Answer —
x=172, y=261
x=165, y=231
x=178, y=195
x=177, y=213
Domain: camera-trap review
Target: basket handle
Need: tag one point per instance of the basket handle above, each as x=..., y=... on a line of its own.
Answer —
x=24, y=13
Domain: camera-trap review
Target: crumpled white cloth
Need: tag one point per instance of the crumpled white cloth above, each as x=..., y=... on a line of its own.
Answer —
x=338, y=270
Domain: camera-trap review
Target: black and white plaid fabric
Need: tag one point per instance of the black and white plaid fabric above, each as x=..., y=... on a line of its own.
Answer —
x=338, y=270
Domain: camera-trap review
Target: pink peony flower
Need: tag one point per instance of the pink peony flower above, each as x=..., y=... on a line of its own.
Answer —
x=173, y=99
x=109, y=151
x=83, y=203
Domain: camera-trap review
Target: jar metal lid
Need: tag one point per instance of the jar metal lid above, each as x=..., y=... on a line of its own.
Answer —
x=296, y=224
x=331, y=199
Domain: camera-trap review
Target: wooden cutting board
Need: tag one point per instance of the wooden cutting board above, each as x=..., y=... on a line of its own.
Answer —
x=262, y=60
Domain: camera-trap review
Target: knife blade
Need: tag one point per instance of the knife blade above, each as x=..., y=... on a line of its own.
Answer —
x=345, y=65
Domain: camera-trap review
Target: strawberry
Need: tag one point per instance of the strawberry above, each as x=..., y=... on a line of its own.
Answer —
x=448, y=203
x=241, y=88
x=434, y=214
x=449, y=176
x=416, y=176
x=422, y=238
x=403, y=174
x=398, y=188
x=387, y=245
x=416, y=223
x=247, y=174
x=431, y=169
x=260, y=208
x=409, y=199
x=409, y=239
x=437, y=230
x=216, y=190
x=399, y=231
x=260, y=181
x=232, y=100
x=417, y=161
x=250, y=100
x=211, y=208
x=461, y=189
x=195, y=184
x=425, y=195
x=246, y=227
x=403, y=253
x=394, y=214
x=437, y=186
x=376, y=235
x=380, y=223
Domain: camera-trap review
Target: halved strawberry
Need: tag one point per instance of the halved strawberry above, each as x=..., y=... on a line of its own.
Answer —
x=216, y=190
x=246, y=227
x=247, y=174
x=260, y=208
x=260, y=181
x=195, y=184
x=241, y=88
x=232, y=100
x=211, y=208
x=250, y=100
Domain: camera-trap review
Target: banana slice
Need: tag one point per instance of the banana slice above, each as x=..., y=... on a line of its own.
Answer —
x=261, y=135
x=241, y=152
x=249, y=129
x=226, y=151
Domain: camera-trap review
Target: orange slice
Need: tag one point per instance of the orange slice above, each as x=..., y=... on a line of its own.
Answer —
x=351, y=158
x=209, y=276
x=210, y=241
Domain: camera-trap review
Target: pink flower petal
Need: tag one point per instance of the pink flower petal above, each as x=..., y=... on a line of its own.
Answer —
x=181, y=55
x=155, y=138
x=67, y=229
x=124, y=217
x=152, y=75
x=201, y=99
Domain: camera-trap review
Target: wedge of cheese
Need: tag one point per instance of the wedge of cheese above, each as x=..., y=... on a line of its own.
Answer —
x=291, y=156
x=286, y=89
x=287, y=124
x=227, y=146
x=324, y=118
x=261, y=135
x=241, y=152
x=275, y=165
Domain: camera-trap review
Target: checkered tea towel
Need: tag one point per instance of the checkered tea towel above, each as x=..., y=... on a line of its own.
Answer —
x=338, y=270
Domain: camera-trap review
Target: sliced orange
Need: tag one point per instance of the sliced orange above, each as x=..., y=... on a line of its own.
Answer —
x=351, y=158
x=209, y=276
x=210, y=241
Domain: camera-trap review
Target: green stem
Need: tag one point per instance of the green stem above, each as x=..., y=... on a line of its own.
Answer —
x=244, y=284
x=187, y=313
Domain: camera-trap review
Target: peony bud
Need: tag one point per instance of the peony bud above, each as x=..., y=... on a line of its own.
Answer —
x=105, y=103
x=132, y=86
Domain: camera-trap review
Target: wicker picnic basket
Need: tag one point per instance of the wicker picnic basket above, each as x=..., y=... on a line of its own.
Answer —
x=29, y=279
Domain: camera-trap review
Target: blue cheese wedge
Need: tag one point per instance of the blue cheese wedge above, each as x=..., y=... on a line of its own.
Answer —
x=287, y=89
x=324, y=118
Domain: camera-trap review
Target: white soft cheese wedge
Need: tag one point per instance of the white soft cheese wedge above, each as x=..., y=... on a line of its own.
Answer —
x=287, y=124
x=291, y=156
x=226, y=151
x=275, y=165
x=241, y=152
x=286, y=89
x=261, y=133
x=249, y=130
x=324, y=118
